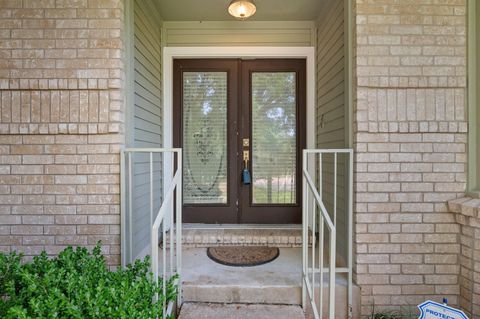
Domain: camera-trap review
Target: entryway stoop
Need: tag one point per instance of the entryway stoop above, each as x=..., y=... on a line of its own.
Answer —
x=274, y=284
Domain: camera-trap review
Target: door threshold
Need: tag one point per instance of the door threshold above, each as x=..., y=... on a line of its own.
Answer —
x=242, y=226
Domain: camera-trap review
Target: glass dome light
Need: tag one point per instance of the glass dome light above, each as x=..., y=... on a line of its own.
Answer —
x=242, y=9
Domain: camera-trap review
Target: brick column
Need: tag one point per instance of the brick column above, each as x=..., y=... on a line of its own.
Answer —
x=410, y=141
x=61, y=79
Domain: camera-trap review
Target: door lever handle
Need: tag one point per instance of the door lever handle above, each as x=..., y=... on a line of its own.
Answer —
x=246, y=155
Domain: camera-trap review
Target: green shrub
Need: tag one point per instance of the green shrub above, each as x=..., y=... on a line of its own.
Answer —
x=78, y=284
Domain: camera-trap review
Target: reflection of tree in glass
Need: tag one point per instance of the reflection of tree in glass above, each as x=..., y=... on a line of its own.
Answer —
x=274, y=136
x=204, y=134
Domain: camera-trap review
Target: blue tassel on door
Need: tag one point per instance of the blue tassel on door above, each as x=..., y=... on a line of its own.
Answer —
x=246, y=179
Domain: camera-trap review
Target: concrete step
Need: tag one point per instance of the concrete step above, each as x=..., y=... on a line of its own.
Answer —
x=275, y=283
x=239, y=311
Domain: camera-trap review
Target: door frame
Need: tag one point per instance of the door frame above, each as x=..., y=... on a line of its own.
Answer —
x=171, y=53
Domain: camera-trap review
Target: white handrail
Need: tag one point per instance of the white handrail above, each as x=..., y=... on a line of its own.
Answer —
x=319, y=201
x=328, y=151
x=166, y=218
x=156, y=226
x=152, y=150
x=332, y=252
x=168, y=198
x=309, y=225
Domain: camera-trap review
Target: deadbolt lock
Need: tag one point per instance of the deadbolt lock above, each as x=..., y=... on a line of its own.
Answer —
x=246, y=142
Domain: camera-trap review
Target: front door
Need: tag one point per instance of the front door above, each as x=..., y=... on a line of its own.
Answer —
x=241, y=125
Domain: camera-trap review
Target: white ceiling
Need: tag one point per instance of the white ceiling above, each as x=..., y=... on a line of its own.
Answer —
x=216, y=10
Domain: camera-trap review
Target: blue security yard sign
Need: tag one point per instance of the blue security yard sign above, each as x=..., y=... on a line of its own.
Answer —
x=434, y=310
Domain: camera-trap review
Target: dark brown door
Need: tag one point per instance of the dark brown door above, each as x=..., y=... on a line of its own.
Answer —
x=227, y=111
x=273, y=119
x=205, y=119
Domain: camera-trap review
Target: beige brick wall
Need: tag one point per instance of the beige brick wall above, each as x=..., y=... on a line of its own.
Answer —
x=410, y=142
x=61, y=101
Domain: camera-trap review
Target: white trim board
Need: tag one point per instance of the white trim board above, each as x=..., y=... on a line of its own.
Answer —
x=170, y=53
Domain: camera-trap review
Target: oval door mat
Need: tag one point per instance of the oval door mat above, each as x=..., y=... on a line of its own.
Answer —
x=243, y=256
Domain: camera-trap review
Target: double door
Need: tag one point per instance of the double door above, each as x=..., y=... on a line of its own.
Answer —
x=241, y=125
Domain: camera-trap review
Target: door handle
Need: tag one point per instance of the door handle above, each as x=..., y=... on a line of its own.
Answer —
x=246, y=178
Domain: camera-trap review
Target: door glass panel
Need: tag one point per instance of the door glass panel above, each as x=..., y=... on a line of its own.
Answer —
x=205, y=137
x=274, y=138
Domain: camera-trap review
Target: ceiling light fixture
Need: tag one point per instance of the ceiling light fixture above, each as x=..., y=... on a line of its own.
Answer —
x=242, y=9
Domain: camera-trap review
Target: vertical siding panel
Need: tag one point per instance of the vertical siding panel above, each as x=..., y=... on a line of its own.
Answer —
x=147, y=117
x=331, y=109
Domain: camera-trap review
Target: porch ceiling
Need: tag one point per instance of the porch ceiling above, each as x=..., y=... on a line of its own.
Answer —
x=216, y=10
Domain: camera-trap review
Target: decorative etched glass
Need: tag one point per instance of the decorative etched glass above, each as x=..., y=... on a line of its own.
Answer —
x=274, y=137
x=205, y=137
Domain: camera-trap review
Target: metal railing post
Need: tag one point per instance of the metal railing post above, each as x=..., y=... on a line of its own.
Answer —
x=151, y=190
x=130, y=209
x=123, y=218
x=164, y=268
x=179, y=205
x=350, y=235
x=154, y=254
x=304, y=234
x=321, y=243
x=331, y=297
x=321, y=234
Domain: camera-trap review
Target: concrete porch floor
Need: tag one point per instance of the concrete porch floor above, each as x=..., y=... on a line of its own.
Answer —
x=284, y=272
